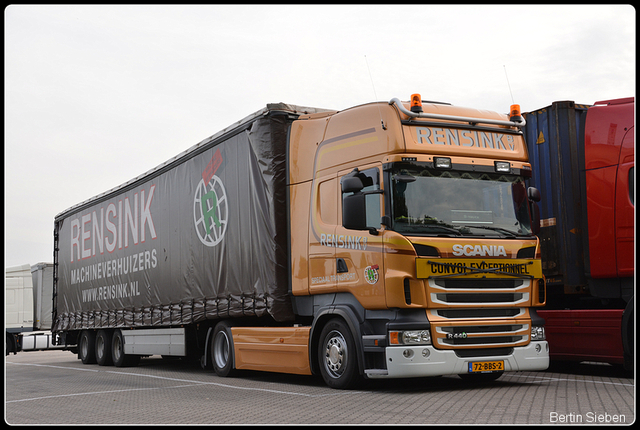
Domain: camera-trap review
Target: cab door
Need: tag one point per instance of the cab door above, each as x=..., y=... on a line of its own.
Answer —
x=624, y=207
x=323, y=220
x=359, y=249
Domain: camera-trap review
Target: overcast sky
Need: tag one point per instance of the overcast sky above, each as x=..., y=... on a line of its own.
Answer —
x=96, y=95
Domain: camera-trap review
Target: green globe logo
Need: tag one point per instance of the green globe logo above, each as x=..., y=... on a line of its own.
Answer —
x=210, y=211
x=371, y=274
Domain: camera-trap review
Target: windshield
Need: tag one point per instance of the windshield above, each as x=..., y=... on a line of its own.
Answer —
x=435, y=202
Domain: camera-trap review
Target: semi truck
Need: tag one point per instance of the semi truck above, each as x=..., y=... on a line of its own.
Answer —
x=388, y=240
x=28, y=307
x=583, y=159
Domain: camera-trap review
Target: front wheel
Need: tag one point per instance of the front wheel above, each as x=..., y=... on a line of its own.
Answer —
x=337, y=356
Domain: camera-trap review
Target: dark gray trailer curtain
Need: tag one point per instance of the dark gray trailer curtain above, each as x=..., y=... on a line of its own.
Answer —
x=204, y=237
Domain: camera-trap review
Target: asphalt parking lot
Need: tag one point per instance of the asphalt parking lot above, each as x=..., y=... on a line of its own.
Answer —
x=53, y=387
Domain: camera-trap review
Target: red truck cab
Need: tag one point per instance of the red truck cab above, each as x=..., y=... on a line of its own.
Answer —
x=609, y=169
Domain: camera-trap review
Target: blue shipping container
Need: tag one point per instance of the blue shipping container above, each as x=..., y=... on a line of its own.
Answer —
x=555, y=140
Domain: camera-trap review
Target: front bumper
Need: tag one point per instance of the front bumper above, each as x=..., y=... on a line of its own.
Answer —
x=425, y=360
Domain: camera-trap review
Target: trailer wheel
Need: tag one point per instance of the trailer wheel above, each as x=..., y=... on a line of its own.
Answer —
x=103, y=348
x=10, y=346
x=119, y=358
x=222, y=350
x=337, y=355
x=87, y=347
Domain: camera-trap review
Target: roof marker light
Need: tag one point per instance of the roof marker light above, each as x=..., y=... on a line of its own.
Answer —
x=416, y=103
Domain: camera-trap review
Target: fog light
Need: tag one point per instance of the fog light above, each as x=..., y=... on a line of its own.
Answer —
x=407, y=353
x=425, y=353
x=538, y=348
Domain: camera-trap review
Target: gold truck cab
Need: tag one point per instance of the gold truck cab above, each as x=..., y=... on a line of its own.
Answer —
x=414, y=224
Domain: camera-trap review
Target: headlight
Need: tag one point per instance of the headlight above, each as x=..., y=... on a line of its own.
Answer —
x=537, y=333
x=410, y=337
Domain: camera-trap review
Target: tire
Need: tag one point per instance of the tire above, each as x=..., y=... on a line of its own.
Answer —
x=222, y=350
x=87, y=347
x=337, y=357
x=10, y=346
x=628, y=338
x=119, y=358
x=103, y=348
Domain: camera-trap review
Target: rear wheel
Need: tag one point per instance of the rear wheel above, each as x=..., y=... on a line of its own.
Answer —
x=337, y=355
x=222, y=350
x=119, y=358
x=103, y=348
x=87, y=347
x=10, y=346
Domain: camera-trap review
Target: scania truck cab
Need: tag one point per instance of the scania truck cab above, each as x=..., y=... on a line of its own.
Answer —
x=420, y=238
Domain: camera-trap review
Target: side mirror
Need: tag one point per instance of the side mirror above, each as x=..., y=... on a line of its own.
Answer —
x=534, y=197
x=535, y=218
x=354, y=212
x=533, y=194
x=351, y=184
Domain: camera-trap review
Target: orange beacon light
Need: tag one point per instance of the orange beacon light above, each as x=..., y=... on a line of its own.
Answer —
x=416, y=103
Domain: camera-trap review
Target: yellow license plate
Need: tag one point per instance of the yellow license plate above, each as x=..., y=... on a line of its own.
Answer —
x=486, y=366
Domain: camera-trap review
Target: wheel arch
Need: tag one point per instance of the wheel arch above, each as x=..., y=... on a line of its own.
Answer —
x=324, y=315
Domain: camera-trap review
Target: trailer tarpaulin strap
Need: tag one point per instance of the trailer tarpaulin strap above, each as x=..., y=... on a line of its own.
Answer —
x=205, y=237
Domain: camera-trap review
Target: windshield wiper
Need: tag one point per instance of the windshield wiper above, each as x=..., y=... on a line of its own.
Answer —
x=498, y=229
x=434, y=228
x=447, y=229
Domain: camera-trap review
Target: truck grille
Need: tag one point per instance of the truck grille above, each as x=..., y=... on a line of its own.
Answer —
x=480, y=298
x=479, y=283
x=478, y=313
x=489, y=335
x=483, y=292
